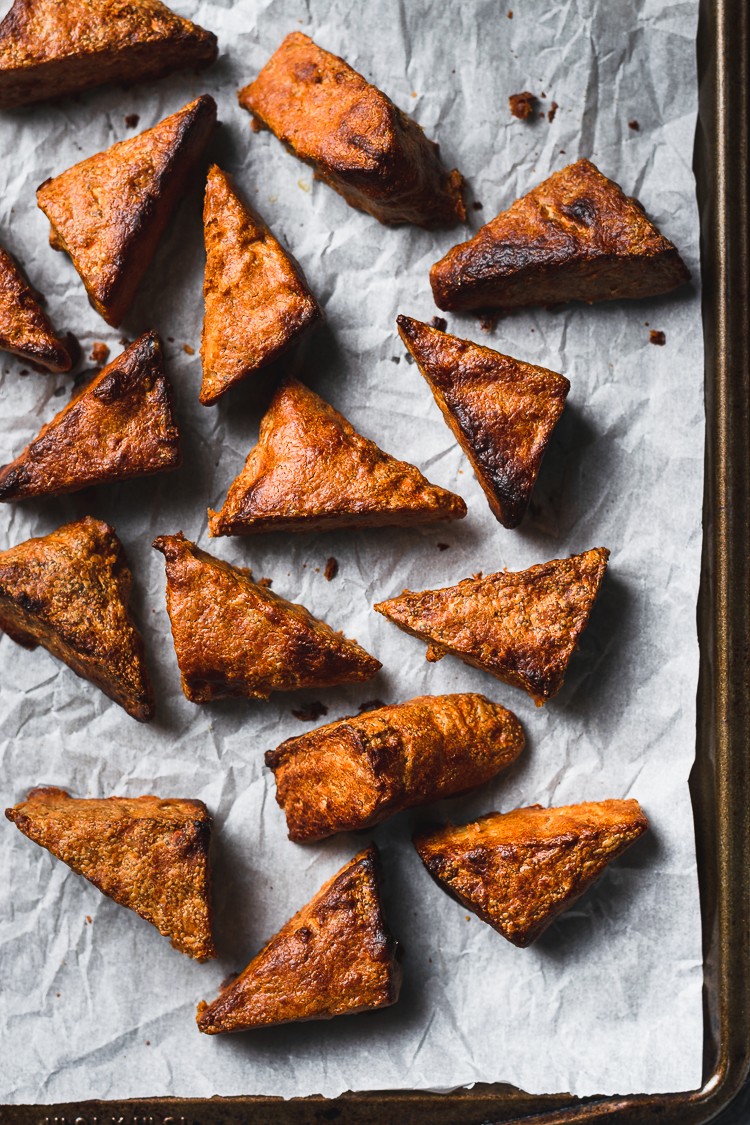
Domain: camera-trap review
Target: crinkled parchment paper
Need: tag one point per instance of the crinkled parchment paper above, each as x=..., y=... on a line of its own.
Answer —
x=608, y=1001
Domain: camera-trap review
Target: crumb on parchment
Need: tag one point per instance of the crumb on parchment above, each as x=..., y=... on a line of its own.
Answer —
x=331, y=570
x=521, y=105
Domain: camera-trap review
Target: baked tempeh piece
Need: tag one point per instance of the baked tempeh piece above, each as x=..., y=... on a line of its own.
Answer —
x=25, y=329
x=120, y=425
x=353, y=773
x=312, y=471
x=234, y=637
x=355, y=138
x=258, y=304
x=576, y=237
x=50, y=49
x=522, y=628
x=109, y=211
x=501, y=410
x=69, y=592
x=517, y=871
x=148, y=854
x=335, y=957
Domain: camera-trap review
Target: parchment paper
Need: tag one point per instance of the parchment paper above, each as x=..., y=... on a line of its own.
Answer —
x=608, y=1001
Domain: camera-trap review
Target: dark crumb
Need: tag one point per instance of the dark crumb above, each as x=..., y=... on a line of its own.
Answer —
x=646, y=323
x=542, y=95
x=409, y=357
x=188, y=349
x=132, y=120
x=124, y=341
x=88, y=919
x=439, y=322
x=60, y=391
x=510, y=15
x=477, y=206
x=521, y=105
x=311, y=711
x=99, y=353
x=23, y=371
x=256, y=125
x=541, y=113
x=552, y=111
x=230, y=978
x=148, y=1042
x=171, y=339
x=442, y=546
x=657, y=338
x=562, y=152
x=331, y=570
x=487, y=321
x=633, y=125
x=395, y=359
x=371, y=705
x=266, y=583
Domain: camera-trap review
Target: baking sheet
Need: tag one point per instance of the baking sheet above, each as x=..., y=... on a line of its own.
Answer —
x=608, y=1001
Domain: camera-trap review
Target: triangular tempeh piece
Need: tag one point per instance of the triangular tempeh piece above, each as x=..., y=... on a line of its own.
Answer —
x=69, y=592
x=312, y=471
x=522, y=627
x=352, y=773
x=335, y=957
x=234, y=637
x=121, y=425
x=50, y=49
x=356, y=139
x=517, y=871
x=148, y=854
x=258, y=303
x=109, y=211
x=501, y=410
x=25, y=329
x=575, y=237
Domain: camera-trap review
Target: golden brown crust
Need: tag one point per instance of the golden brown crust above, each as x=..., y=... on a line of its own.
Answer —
x=353, y=773
x=120, y=426
x=501, y=410
x=335, y=957
x=576, y=237
x=312, y=471
x=355, y=138
x=517, y=871
x=50, y=49
x=522, y=628
x=109, y=211
x=234, y=637
x=258, y=303
x=146, y=853
x=25, y=329
x=69, y=592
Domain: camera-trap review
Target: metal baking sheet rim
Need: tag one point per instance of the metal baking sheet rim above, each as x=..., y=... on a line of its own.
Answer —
x=722, y=812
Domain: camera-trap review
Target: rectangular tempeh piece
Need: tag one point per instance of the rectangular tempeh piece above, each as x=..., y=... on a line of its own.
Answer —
x=354, y=773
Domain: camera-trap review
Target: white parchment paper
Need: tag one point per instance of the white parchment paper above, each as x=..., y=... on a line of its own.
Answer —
x=94, y=1001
